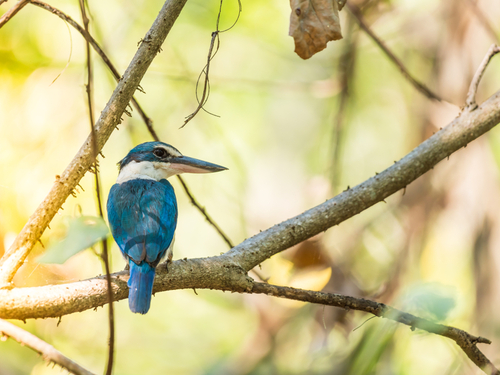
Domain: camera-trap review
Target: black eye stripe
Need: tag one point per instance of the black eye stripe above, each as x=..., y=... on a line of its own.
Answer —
x=160, y=152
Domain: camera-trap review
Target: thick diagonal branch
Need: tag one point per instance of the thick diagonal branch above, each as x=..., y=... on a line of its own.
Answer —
x=107, y=122
x=464, y=129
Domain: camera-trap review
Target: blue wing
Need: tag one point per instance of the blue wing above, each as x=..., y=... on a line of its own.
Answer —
x=143, y=217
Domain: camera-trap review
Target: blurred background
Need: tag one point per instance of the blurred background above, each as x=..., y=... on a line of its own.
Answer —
x=293, y=133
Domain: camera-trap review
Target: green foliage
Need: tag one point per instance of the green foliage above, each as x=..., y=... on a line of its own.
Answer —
x=83, y=232
x=431, y=300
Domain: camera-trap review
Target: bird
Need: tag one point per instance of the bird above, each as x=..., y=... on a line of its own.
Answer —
x=142, y=212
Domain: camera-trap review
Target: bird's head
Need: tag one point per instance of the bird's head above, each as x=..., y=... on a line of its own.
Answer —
x=158, y=160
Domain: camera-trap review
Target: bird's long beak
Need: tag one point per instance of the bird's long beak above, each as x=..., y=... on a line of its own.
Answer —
x=185, y=164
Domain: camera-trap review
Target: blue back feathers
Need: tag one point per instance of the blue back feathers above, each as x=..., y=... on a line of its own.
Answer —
x=143, y=217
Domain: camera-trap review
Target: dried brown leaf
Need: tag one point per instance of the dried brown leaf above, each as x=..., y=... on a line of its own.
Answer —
x=313, y=23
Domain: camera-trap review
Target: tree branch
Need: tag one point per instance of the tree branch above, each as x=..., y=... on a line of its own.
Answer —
x=346, y=70
x=466, y=341
x=47, y=351
x=228, y=271
x=58, y=300
x=12, y=11
x=107, y=122
x=210, y=273
x=215, y=272
x=464, y=129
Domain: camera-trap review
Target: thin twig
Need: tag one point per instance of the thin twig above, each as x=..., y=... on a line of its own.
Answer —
x=418, y=85
x=466, y=341
x=12, y=11
x=47, y=351
x=470, y=103
x=204, y=212
x=106, y=124
x=105, y=255
x=3, y=1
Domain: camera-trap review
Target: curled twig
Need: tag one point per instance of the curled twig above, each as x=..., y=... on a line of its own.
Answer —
x=206, y=83
x=205, y=71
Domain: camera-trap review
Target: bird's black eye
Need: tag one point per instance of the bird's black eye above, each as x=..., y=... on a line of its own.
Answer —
x=160, y=152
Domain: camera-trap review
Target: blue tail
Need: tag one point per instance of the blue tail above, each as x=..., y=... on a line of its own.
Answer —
x=140, y=286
